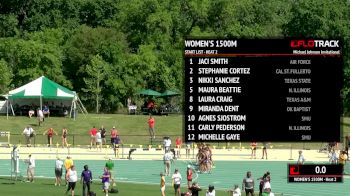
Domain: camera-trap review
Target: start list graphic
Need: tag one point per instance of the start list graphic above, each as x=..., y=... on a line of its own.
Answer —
x=262, y=89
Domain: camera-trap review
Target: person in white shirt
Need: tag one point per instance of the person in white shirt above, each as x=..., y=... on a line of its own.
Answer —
x=30, y=169
x=167, y=144
x=72, y=179
x=28, y=133
x=267, y=189
x=168, y=157
x=236, y=191
x=99, y=140
x=40, y=116
x=58, y=171
x=210, y=191
x=177, y=182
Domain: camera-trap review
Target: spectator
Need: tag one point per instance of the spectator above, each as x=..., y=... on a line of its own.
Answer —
x=333, y=157
x=248, y=184
x=114, y=134
x=103, y=135
x=189, y=174
x=177, y=182
x=195, y=188
x=46, y=111
x=151, y=123
x=162, y=184
x=30, y=169
x=188, y=149
x=71, y=178
x=210, y=191
x=301, y=158
x=347, y=145
x=65, y=113
x=264, y=150
x=105, y=180
x=40, y=116
x=99, y=140
x=49, y=134
x=31, y=112
x=178, y=143
x=58, y=171
x=168, y=157
x=28, y=133
x=253, y=147
x=117, y=141
x=64, y=137
x=93, y=133
x=343, y=158
x=167, y=143
x=86, y=179
x=68, y=163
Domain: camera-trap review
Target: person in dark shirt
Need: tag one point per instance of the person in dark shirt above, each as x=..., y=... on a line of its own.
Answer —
x=86, y=179
x=195, y=189
x=103, y=135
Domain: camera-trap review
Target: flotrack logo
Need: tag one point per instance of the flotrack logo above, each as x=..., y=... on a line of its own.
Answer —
x=314, y=43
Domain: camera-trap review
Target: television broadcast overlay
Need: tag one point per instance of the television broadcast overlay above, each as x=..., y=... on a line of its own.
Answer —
x=315, y=173
x=262, y=90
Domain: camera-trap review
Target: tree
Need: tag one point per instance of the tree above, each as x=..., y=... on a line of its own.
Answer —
x=5, y=76
x=324, y=19
x=96, y=72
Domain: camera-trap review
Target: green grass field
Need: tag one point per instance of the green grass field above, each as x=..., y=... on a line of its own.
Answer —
x=133, y=129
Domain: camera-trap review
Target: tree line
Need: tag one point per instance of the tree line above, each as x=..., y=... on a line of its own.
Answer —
x=107, y=50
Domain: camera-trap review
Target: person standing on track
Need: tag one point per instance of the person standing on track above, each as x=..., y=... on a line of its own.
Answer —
x=58, y=171
x=151, y=123
x=68, y=163
x=189, y=174
x=178, y=143
x=176, y=178
x=168, y=157
x=106, y=176
x=30, y=169
x=71, y=178
x=162, y=184
x=86, y=179
x=110, y=166
x=248, y=184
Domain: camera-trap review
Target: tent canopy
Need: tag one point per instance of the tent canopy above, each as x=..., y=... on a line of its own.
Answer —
x=41, y=87
x=169, y=93
x=149, y=92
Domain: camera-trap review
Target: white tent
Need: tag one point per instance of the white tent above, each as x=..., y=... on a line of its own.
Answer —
x=44, y=88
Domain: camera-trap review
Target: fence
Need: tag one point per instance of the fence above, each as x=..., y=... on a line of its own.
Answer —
x=83, y=140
